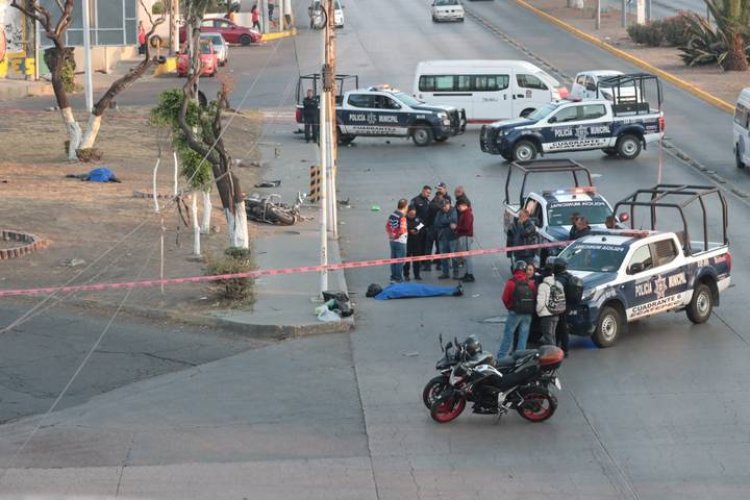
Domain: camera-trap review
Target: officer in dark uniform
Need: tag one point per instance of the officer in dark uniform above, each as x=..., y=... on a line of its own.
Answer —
x=310, y=115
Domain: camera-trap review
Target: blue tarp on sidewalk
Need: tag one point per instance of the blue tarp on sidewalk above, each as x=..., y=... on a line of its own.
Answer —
x=408, y=290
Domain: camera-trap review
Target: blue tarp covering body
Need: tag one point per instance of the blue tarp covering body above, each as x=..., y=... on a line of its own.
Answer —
x=407, y=290
x=101, y=174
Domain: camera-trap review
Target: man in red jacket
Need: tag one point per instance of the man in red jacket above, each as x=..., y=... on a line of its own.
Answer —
x=465, y=234
x=519, y=298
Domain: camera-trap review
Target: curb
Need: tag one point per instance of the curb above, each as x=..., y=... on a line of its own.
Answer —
x=31, y=243
x=269, y=37
x=30, y=89
x=678, y=82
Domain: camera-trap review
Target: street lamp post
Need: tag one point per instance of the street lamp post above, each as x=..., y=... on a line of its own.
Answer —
x=89, y=78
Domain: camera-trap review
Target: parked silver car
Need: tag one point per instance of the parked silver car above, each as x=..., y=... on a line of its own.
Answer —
x=221, y=47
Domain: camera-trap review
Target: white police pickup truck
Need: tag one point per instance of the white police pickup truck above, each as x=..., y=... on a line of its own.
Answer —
x=386, y=112
x=629, y=275
x=622, y=125
x=551, y=209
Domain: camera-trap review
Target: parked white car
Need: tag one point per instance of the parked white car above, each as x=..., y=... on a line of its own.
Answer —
x=586, y=82
x=221, y=47
x=741, y=129
x=447, y=10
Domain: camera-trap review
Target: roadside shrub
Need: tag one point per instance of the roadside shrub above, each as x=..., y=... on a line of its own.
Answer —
x=235, y=260
x=705, y=45
x=650, y=35
x=676, y=29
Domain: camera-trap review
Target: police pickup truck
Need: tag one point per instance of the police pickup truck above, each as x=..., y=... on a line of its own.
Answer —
x=629, y=274
x=621, y=126
x=552, y=208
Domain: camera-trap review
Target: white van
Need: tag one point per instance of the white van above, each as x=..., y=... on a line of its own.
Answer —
x=489, y=90
x=741, y=129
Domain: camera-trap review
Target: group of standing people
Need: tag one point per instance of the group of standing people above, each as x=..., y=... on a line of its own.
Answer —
x=428, y=224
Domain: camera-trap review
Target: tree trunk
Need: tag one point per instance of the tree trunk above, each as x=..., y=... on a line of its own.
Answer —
x=92, y=131
x=736, y=59
x=207, y=207
x=237, y=226
x=74, y=132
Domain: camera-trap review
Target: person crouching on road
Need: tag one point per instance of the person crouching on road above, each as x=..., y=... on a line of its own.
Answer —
x=522, y=232
x=519, y=298
x=310, y=115
x=415, y=241
x=395, y=227
x=465, y=235
x=446, y=222
x=548, y=318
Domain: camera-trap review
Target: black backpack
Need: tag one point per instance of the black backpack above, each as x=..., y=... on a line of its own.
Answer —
x=523, y=301
x=573, y=289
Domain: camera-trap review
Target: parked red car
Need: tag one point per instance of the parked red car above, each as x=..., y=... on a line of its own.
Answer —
x=232, y=33
x=209, y=60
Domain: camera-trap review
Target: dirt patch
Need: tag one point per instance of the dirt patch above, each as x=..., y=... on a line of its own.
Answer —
x=102, y=232
x=725, y=85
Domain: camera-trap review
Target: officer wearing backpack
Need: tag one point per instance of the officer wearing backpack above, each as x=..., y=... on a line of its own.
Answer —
x=550, y=304
x=519, y=298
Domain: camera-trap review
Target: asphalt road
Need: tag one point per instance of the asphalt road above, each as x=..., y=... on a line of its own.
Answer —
x=661, y=415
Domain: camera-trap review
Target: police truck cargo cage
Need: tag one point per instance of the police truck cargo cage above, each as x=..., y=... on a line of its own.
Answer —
x=633, y=274
x=621, y=125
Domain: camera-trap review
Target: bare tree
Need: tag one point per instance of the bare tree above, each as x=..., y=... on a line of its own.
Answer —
x=54, y=28
x=207, y=139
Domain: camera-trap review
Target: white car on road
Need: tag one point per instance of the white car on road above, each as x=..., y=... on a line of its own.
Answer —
x=447, y=10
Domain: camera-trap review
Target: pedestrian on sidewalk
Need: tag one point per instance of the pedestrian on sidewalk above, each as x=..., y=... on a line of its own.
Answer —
x=465, y=236
x=310, y=115
x=255, y=17
x=397, y=233
x=445, y=227
x=421, y=203
x=415, y=242
x=550, y=304
x=141, y=38
x=271, y=7
x=519, y=298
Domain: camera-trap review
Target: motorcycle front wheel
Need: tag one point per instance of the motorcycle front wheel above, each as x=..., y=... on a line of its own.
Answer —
x=447, y=408
x=433, y=389
x=281, y=216
x=538, y=404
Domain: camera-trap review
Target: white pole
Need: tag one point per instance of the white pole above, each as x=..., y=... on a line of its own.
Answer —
x=36, y=49
x=156, y=199
x=598, y=14
x=89, y=81
x=640, y=12
x=196, y=225
x=176, y=169
x=323, y=193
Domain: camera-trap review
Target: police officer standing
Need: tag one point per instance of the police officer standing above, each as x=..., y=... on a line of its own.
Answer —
x=310, y=116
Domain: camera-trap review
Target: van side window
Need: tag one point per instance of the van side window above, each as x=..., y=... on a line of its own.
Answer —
x=741, y=115
x=464, y=83
x=530, y=82
x=436, y=83
x=491, y=82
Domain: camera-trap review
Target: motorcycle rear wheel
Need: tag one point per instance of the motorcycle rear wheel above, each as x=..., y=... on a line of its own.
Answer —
x=538, y=404
x=447, y=408
x=433, y=389
x=281, y=216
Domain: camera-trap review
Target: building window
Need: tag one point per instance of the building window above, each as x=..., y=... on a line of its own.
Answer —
x=113, y=22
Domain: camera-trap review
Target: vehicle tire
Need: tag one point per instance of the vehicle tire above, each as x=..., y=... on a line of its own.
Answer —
x=608, y=327
x=344, y=139
x=738, y=157
x=526, y=112
x=629, y=147
x=538, y=404
x=524, y=151
x=422, y=135
x=447, y=408
x=701, y=305
x=441, y=139
x=610, y=151
x=433, y=389
x=507, y=157
x=281, y=217
x=246, y=40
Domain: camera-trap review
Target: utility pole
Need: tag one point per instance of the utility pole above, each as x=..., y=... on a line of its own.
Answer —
x=624, y=14
x=332, y=149
x=598, y=14
x=89, y=78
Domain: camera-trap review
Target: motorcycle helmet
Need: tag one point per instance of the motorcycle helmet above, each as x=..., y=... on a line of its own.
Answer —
x=373, y=290
x=519, y=265
x=472, y=345
x=560, y=265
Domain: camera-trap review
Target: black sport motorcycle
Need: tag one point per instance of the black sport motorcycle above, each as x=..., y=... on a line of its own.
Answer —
x=521, y=385
x=270, y=210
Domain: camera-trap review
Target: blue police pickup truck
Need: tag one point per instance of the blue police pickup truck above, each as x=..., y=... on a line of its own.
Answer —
x=621, y=125
x=629, y=275
x=386, y=112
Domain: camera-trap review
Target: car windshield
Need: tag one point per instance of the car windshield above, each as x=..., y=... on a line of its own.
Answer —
x=206, y=48
x=596, y=212
x=543, y=112
x=216, y=39
x=594, y=257
x=440, y=3
x=407, y=99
